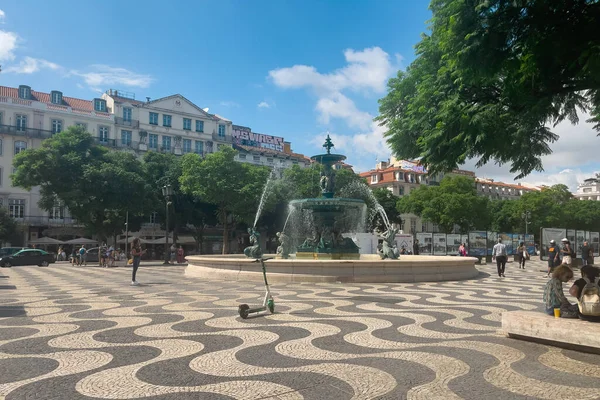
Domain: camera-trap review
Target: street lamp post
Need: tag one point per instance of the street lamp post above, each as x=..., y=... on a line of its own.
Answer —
x=167, y=192
x=526, y=216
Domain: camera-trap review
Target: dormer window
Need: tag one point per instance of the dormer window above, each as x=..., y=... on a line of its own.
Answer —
x=24, y=92
x=56, y=97
x=100, y=105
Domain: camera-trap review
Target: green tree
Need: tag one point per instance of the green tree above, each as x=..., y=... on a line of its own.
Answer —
x=8, y=226
x=453, y=202
x=235, y=188
x=490, y=77
x=97, y=185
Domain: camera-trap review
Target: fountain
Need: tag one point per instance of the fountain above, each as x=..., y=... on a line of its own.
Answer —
x=325, y=255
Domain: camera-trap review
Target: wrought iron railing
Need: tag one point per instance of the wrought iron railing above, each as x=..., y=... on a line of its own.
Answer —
x=24, y=131
x=131, y=123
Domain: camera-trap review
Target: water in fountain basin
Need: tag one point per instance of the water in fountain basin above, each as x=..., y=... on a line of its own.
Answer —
x=264, y=196
x=361, y=190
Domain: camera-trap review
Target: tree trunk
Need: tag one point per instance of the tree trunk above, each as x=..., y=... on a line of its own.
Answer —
x=225, y=233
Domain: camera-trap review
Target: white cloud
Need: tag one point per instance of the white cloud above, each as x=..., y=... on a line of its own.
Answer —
x=263, y=104
x=2, y=16
x=104, y=75
x=573, y=158
x=29, y=65
x=229, y=104
x=8, y=43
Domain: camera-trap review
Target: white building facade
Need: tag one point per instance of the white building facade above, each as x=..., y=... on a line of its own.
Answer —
x=171, y=124
x=589, y=189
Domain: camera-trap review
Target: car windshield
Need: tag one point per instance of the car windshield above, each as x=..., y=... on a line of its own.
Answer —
x=30, y=252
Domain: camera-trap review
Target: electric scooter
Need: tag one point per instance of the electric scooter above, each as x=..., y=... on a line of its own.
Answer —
x=244, y=310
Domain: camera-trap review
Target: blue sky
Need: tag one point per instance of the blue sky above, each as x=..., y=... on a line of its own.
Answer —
x=295, y=69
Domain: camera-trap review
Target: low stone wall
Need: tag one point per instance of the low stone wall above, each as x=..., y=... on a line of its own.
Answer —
x=369, y=268
x=564, y=332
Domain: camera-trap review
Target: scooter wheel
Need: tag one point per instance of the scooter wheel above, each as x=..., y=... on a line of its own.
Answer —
x=271, y=305
x=243, y=310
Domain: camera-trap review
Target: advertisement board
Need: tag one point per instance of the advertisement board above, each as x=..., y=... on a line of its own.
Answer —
x=579, y=239
x=530, y=244
x=517, y=239
x=507, y=239
x=425, y=242
x=595, y=242
x=571, y=236
x=439, y=244
x=244, y=136
x=405, y=243
x=452, y=244
x=477, y=243
x=549, y=234
x=492, y=239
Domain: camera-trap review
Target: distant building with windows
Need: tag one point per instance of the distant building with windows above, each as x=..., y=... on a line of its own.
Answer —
x=116, y=119
x=495, y=190
x=589, y=189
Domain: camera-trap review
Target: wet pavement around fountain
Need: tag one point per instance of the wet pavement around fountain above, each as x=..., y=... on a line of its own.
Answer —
x=84, y=333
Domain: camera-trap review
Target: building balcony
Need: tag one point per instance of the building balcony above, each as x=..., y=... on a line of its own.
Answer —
x=44, y=220
x=222, y=138
x=118, y=143
x=25, y=132
x=130, y=123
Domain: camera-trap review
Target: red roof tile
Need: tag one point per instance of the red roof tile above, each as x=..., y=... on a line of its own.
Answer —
x=76, y=104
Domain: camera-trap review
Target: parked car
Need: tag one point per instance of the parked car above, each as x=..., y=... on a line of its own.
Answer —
x=28, y=257
x=9, y=251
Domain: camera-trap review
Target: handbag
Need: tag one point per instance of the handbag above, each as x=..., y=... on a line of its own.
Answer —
x=569, y=311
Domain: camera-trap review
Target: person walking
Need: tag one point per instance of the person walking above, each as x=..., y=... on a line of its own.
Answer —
x=136, y=253
x=173, y=253
x=553, y=256
x=180, y=254
x=522, y=255
x=586, y=254
x=82, y=256
x=567, y=253
x=416, y=247
x=500, y=255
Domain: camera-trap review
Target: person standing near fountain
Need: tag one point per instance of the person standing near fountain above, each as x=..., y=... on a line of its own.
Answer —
x=416, y=247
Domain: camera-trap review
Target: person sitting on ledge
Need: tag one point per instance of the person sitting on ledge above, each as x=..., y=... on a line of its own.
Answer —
x=591, y=273
x=553, y=292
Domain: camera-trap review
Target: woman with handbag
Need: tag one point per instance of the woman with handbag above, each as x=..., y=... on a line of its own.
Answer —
x=522, y=254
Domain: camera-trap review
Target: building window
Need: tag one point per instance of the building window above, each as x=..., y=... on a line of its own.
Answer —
x=295, y=162
x=242, y=156
x=127, y=114
x=1, y=123
x=401, y=190
x=21, y=123
x=374, y=178
x=0, y=147
x=187, y=145
x=56, y=97
x=270, y=160
x=153, y=141
x=126, y=138
x=154, y=218
x=166, y=120
x=81, y=125
x=199, y=147
x=256, y=158
x=57, y=212
x=16, y=208
x=187, y=124
x=413, y=225
x=153, y=118
x=423, y=227
x=222, y=130
x=103, y=134
x=56, y=126
x=199, y=126
x=100, y=105
x=20, y=146
x=24, y=92
x=1, y=170
x=166, y=143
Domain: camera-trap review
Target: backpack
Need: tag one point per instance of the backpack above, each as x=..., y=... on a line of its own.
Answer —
x=82, y=251
x=589, y=300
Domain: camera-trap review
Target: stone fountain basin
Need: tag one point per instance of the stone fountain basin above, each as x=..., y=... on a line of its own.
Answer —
x=369, y=269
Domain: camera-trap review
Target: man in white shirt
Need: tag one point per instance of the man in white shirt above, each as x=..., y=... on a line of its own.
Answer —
x=499, y=254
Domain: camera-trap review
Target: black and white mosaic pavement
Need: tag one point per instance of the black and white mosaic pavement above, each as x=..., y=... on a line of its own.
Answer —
x=84, y=333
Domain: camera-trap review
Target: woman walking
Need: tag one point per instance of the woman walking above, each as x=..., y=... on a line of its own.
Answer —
x=522, y=255
x=136, y=253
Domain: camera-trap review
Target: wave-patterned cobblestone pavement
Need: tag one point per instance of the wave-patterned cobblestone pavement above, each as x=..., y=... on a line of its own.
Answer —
x=71, y=333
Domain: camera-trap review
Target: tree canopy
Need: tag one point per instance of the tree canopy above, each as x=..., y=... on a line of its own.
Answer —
x=8, y=226
x=490, y=77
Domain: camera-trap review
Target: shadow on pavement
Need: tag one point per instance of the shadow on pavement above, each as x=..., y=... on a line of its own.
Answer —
x=9, y=287
x=12, y=311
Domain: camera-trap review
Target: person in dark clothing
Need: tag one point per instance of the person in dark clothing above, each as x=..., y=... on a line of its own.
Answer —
x=591, y=272
x=136, y=253
x=586, y=254
x=416, y=248
x=553, y=256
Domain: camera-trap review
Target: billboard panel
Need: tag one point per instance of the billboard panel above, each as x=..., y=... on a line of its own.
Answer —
x=578, y=244
x=405, y=243
x=439, y=244
x=477, y=243
x=244, y=136
x=595, y=242
x=425, y=242
x=507, y=239
x=452, y=244
x=492, y=238
x=530, y=244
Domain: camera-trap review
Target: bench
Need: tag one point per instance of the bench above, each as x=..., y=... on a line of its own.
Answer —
x=560, y=332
